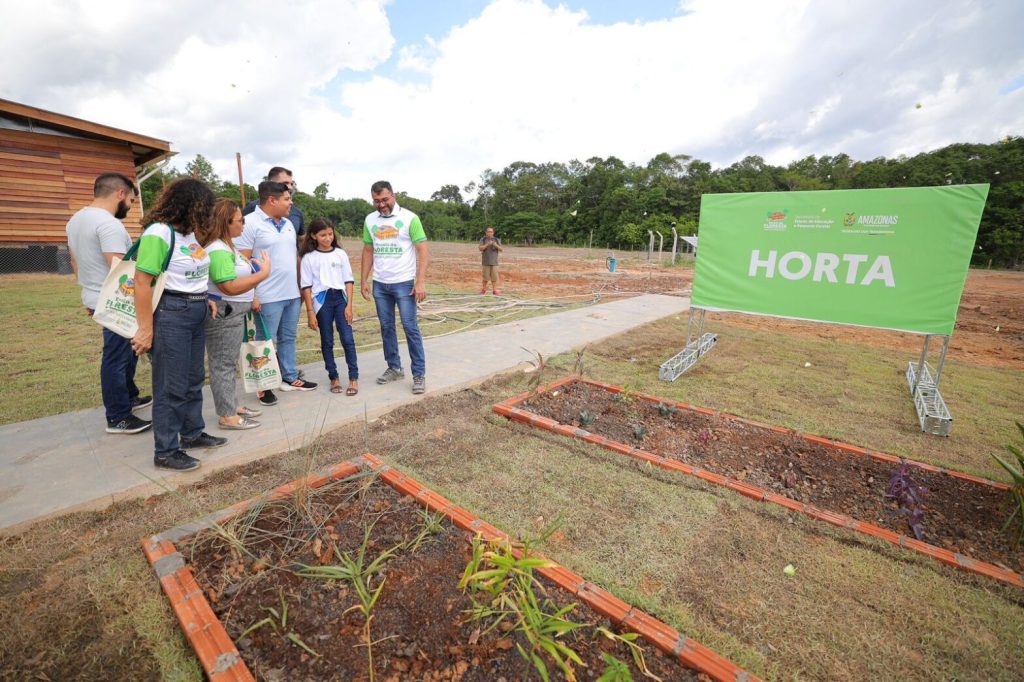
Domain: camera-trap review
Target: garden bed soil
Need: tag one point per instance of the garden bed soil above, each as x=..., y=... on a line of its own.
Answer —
x=960, y=515
x=419, y=629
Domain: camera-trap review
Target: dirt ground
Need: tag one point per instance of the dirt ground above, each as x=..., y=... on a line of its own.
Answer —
x=989, y=329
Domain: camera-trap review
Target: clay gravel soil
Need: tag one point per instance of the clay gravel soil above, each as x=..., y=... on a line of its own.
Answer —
x=419, y=629
x=959, y=515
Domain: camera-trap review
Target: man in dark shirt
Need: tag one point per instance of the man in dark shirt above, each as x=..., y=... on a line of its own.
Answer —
x=490, y=247
x=283, y=175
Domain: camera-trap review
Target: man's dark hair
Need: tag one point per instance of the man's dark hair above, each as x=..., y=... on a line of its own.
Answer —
x=269, y=189
x=108, y=183
x=276, y=170
x=380, y=186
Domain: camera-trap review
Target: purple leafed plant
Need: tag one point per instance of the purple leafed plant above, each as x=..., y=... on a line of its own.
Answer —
x=909, y=495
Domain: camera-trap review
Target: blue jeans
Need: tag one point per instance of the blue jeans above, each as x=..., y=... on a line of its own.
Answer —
x=282, y=319
x=332, y=313
x=117, y=376
x=179, y=338
x=386, y=296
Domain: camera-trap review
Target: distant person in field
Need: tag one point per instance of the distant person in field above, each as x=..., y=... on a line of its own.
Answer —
x=277, y=297
x=96, y=237
x=490, y=247
x=284, y=176
x=395, y=250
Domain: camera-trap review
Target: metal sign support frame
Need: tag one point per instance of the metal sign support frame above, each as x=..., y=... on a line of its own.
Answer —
x=696, y=346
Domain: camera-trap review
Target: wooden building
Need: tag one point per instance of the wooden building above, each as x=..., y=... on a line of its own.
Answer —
x=48, y=163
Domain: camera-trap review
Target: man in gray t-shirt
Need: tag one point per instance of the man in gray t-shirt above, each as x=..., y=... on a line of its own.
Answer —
x=96, y=237
x=490, y=247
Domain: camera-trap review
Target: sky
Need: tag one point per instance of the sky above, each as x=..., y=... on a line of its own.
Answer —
x=426, y=94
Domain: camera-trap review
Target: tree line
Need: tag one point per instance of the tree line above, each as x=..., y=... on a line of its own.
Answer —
x=613, y=204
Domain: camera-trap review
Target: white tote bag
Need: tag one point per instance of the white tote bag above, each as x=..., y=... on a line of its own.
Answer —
x=115, y=308
x=258, y=359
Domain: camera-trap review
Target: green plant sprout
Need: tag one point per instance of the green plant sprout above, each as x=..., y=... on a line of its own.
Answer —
x=577, y=367
x=1016, y=472
x=625, y=396
x=540, y=367
x=629, y=640
x=507, y=581
x=586, y=418
x=359, y=573
x=276, y=619
x=667, y=410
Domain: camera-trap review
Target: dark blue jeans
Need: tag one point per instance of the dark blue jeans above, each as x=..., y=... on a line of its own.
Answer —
x=179, y=337
x=332, y=313
x=117, y=376
x=387, y=296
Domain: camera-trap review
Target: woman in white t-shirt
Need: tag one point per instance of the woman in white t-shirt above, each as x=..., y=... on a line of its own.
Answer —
x=325, y=277
x=232, y=280
x=175, y=331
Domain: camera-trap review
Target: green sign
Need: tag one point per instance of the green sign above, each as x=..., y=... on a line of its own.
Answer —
x=887, y=258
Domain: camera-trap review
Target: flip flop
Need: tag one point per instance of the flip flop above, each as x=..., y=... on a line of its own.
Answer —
x=351, y=390
x=243, y=424
x=335, y=386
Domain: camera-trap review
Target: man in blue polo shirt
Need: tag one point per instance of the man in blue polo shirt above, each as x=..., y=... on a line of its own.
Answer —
x=277, y=297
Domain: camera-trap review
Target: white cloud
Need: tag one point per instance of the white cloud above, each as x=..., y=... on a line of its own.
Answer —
x=313, y=85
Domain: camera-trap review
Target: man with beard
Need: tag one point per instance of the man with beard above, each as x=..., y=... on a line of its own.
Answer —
x=95, y=237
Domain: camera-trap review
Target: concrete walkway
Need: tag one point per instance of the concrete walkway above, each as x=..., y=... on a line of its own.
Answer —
x=68, y=462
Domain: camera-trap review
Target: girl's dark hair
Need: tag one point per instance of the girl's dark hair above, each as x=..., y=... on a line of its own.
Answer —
x=309, y=241
x=187, y=206
x=220, y=223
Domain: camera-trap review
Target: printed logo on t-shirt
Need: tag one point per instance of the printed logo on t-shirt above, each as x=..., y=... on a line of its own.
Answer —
x=386, y=231
x=194, y=250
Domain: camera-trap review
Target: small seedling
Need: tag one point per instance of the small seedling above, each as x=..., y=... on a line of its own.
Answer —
x=639, y=431
x=540, y=367
x=586, y=418
x=629, y=640
x=279, y=618
x=624, y=396
x=667, y=410
x=577, y=367
x=1016, y=472
x=909, y=494
x=705, y=436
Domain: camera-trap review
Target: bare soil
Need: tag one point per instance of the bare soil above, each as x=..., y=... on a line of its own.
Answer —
x=959, y=515
x=989, y=329
x=420, y=628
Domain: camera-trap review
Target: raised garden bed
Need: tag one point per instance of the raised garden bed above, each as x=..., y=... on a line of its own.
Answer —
x=959, y=517
x=277, y=575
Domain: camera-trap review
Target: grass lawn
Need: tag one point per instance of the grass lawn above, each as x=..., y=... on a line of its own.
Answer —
x=704, y=559
x=52, y=350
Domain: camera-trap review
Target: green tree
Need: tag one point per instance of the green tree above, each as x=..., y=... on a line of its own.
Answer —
x=201, y=169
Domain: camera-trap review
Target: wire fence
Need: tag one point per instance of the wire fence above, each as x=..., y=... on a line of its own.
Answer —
x=49, y=258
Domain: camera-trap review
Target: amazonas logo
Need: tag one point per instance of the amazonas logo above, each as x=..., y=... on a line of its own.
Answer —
x=126, y=285
x=193, y=250
x=257, y=361
x=852, y=219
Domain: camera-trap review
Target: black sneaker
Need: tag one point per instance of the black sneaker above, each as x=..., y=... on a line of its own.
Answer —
x=179, y=460
x=298, y=385
x=141, y=401
x=419, y=385
x=267, y=398
x=389, y=375
x=130, y=424
x=203, y=440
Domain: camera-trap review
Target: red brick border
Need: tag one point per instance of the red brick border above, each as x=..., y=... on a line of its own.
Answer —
x=222, y=662
x=509, y=409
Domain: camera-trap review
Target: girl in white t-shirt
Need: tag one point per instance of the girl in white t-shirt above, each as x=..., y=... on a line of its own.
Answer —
x=325, y=277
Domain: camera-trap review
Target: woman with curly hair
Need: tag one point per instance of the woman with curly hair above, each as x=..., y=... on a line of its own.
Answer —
x=175, y=331
x=232, y=280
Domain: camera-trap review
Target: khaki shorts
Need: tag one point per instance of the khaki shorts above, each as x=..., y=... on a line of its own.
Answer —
x=490, y=273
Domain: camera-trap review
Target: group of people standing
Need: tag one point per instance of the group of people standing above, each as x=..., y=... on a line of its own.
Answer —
x=220, y=264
